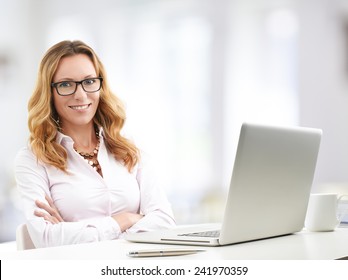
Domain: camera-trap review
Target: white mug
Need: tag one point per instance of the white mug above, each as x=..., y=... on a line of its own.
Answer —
x=322, y=212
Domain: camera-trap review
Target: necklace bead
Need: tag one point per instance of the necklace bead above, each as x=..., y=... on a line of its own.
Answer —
x=91, y=158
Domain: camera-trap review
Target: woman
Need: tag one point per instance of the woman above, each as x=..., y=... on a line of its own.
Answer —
x=80, y=179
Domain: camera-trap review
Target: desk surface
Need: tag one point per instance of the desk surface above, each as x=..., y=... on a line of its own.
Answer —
x=300, y=246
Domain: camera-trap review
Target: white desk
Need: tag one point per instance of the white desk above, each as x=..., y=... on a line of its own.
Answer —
x=300, y=246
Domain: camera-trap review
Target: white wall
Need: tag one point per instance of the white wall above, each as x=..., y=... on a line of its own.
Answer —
x=323, y=84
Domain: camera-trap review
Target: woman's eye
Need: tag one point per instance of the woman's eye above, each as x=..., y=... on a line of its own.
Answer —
x=89, y=82
x=64, y=84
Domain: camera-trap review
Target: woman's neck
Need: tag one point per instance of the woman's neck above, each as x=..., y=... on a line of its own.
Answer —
x=85, y=138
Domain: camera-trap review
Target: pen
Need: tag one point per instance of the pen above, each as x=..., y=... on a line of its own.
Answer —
x=162, y=253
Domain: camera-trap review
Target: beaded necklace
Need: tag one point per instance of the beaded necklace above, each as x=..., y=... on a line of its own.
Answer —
x=92, y=158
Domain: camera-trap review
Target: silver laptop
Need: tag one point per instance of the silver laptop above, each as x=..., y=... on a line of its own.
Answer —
x=269, y=191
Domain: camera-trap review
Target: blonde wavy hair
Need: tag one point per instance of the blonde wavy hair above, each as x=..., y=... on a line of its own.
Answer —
x=42, y=117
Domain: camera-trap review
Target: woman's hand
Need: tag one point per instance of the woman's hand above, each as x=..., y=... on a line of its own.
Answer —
x=126, y=220
x=52, y=214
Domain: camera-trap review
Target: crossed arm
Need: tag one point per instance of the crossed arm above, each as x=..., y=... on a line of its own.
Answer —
x=52, y=215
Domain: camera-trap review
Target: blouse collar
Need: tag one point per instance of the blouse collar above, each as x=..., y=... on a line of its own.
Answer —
x=61, y=137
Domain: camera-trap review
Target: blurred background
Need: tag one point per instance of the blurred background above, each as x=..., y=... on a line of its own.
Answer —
x=189, y=72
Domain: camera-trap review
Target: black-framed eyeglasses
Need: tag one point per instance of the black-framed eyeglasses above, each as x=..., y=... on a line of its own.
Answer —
x=89, y=85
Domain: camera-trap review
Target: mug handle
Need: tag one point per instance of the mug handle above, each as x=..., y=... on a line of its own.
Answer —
x=345, y=211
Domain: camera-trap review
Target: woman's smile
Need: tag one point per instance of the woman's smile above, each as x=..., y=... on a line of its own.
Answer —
x=80, y=107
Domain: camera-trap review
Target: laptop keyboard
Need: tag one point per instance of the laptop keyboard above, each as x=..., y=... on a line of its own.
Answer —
x=210, y=233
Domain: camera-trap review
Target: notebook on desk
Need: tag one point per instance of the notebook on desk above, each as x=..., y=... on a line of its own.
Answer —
x=269, y=190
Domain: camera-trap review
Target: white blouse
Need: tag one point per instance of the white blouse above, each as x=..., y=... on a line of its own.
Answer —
x=85, y=200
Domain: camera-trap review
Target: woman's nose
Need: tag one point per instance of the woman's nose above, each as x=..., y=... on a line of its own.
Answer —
x=80, y=92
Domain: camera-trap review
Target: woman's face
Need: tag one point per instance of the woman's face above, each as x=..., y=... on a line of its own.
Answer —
x=77, y=109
